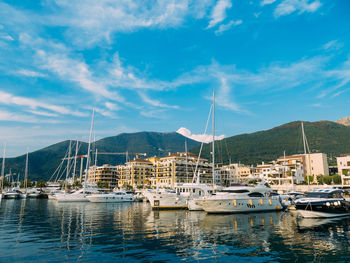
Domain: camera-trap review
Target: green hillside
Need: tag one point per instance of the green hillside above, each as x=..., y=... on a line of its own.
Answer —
x=43, y=163
x=323, y=136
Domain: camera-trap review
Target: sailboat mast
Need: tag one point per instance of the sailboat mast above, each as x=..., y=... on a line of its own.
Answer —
x=89, y=146
x=68, y=161
x=213, y=144
x=75, y=159
x=3, y=167
x=186, y=162
x=304, y=141
x=26, y=173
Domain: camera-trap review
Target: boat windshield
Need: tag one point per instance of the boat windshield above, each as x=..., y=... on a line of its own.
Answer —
x=336, y=194
x=239, y=191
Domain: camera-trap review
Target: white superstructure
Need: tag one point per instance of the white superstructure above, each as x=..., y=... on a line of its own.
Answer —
x=241, y=199
x=113, y=197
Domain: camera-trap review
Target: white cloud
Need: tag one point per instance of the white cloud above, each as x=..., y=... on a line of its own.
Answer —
x=219, y=12
x=229, y=25
x=267, y=2
x=155, y=102
x=30, y=73
x=43, y=113
x=112, y=106
x=73, y=70
x=332, y=45
x=6, y=37
x=16, y=117
x=206, y=138
x=9, y=99
x=90, y=21
x=287, y=7
x=105, y=113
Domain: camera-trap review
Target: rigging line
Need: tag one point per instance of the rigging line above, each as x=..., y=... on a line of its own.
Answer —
x=59, y=165
x=200, y=151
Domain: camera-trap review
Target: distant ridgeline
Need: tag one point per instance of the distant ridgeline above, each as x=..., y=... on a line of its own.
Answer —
x=323, y=136
x=43, y=163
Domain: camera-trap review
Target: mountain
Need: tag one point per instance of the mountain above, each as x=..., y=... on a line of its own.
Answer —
x=344, y=121
x=323, y=136
x=43, y=163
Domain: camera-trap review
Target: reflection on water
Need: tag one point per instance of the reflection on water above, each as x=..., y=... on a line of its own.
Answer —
x=46, y=231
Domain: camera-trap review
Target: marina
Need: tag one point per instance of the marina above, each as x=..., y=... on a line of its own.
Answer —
x=47, y=231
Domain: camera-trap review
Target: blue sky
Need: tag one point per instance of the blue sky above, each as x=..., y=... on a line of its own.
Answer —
x=152, y=66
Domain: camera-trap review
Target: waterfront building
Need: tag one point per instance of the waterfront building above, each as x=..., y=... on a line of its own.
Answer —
x=103, y=174
x=178, y=168
x=343, y=163
x=301, y=165
x=229, y=175
x=136, y=173
x=281, y=172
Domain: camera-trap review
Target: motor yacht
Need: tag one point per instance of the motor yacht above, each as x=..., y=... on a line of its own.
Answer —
x=113, y=197
x=241, y=199
x=12, y=194
x=165, y=199
x=322, y=203
x=77, y=196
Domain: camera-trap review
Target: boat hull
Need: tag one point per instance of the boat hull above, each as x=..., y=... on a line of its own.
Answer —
x=166, y=201
x=251, y=205
x=193, y=206
x=327, y=208
x=109, y=199
x=11, y=196
x=71, y=198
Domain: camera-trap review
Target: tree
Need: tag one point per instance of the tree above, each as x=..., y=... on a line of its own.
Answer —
x=27, y=184
x=320, y=179
x=77, y=184
x=6, y=183
x=41, y=184
x=337, y=179
x=102, y=184
x=310, y=180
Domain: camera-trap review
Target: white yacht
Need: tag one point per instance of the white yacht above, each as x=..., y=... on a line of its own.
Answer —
x=194, y=192
x=180, y=198
x=241, y=199
x=165, y=199
x=12, y=194
x=77, y=196
x=322, y=203
x=33, y=193
x=113, y=197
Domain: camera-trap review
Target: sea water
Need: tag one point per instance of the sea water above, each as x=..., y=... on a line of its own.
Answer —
x=46, y=231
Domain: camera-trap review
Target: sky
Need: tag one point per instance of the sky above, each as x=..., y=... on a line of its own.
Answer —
x=148, y=65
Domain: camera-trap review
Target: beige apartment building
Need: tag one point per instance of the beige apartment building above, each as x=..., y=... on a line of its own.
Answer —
x=343, y=163
x=137, y=172
x=179, y=168
x=313, y=164
x=104, y=174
